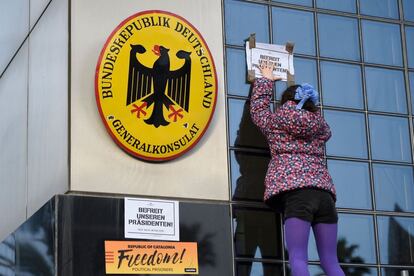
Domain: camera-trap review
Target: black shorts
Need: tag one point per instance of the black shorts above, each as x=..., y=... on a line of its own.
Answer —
x=310, y=204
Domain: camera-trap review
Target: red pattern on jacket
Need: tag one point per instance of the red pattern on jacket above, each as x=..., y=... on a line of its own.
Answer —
x=297, y=142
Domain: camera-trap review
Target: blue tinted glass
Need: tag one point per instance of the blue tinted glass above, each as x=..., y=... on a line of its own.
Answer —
x=386, y=90
x=352, y=184
x=248, y=172
x=411, y=76
x=394, y=188
x=382, y=8
x=377, y=49
x=305, y=71
x=297, y=2
x=396, y=237
x=348, y=134
x=389, y=138
x=242, y=131
x=236, y=73
x=339, y=5
x=408, y=6
x=356, y=243
x=341, y=85
x=397, y=272
x=338, y=37
x=295, y=26
x=409, y=36
x=242, y=19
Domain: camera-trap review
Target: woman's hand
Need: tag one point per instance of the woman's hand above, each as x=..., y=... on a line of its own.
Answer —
x=266, y=69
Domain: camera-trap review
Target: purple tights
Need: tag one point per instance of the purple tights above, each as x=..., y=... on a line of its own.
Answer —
x=297, y=236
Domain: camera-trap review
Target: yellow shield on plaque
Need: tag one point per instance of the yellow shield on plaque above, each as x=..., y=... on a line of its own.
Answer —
x=156, y=85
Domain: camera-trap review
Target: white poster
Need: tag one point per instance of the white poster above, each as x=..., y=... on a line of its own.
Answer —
x=152, y=219
x=276, y=55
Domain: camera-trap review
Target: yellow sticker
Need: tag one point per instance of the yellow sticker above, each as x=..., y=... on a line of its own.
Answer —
x=156, y=85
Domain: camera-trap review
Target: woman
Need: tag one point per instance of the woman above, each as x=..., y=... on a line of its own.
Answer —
x=297, y=181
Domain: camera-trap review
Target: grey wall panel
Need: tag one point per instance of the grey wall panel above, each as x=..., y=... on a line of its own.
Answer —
x=37, y=7
x=13, y=144
x=14, y=26
x=48, y=106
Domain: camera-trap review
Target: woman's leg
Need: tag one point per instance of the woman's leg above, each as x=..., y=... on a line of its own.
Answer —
x=326, y=240
x=297, y=237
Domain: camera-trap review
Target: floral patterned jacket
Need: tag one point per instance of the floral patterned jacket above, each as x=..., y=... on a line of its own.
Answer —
x=296, y=138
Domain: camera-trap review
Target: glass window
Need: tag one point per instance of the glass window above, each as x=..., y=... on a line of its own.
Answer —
x=389, y=138
x=356, y=243
x=305, y=71
x=339, y=5
x=258, y=269
x=242, y=19
x=316, y=270
x=397, y=272
x=394, y=188
x=236, y=72
x=242, y=130
x=352, y=184
x=396, y=240
x=408, y=6
x=338, y=37
x=248, y=171
x=297, y=2
x=386, y=90
x=382, y=8
x=257, y=233
x=380, y=50
x=342, y=85
x=348, y=134
x=409, y=36
x=295, y=26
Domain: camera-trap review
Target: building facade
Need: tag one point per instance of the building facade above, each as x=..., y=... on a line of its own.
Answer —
x=359, y=54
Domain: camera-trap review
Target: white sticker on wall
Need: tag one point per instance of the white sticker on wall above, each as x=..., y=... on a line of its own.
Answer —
x=152, y=219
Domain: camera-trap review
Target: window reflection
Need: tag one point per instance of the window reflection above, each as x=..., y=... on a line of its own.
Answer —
x=236, y=72
x=30, y=250
x=257, y=234
x=394, y=187
x=8, y=256
x=297, y=2
x=243, y=133
x=386, y=90
x=397, y=272
x=348, y=134
x=258, y=269
x=339, y=5
x=396, y=238
x=248, y=172
x=348, y=93
x=383, y=8
x=242, y=19
x=338, y=37
x=356, y=243
x=293, y=25
x=305, y=71
x=380, y=50
x=352, y=183
x=316, y=270
x=389, y=138
x=408, y=6
x=409, y=36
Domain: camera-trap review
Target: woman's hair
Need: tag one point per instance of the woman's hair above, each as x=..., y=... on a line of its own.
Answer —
x=289, y=95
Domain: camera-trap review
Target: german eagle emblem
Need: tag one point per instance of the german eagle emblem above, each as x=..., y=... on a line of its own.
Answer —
x=158, y=86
